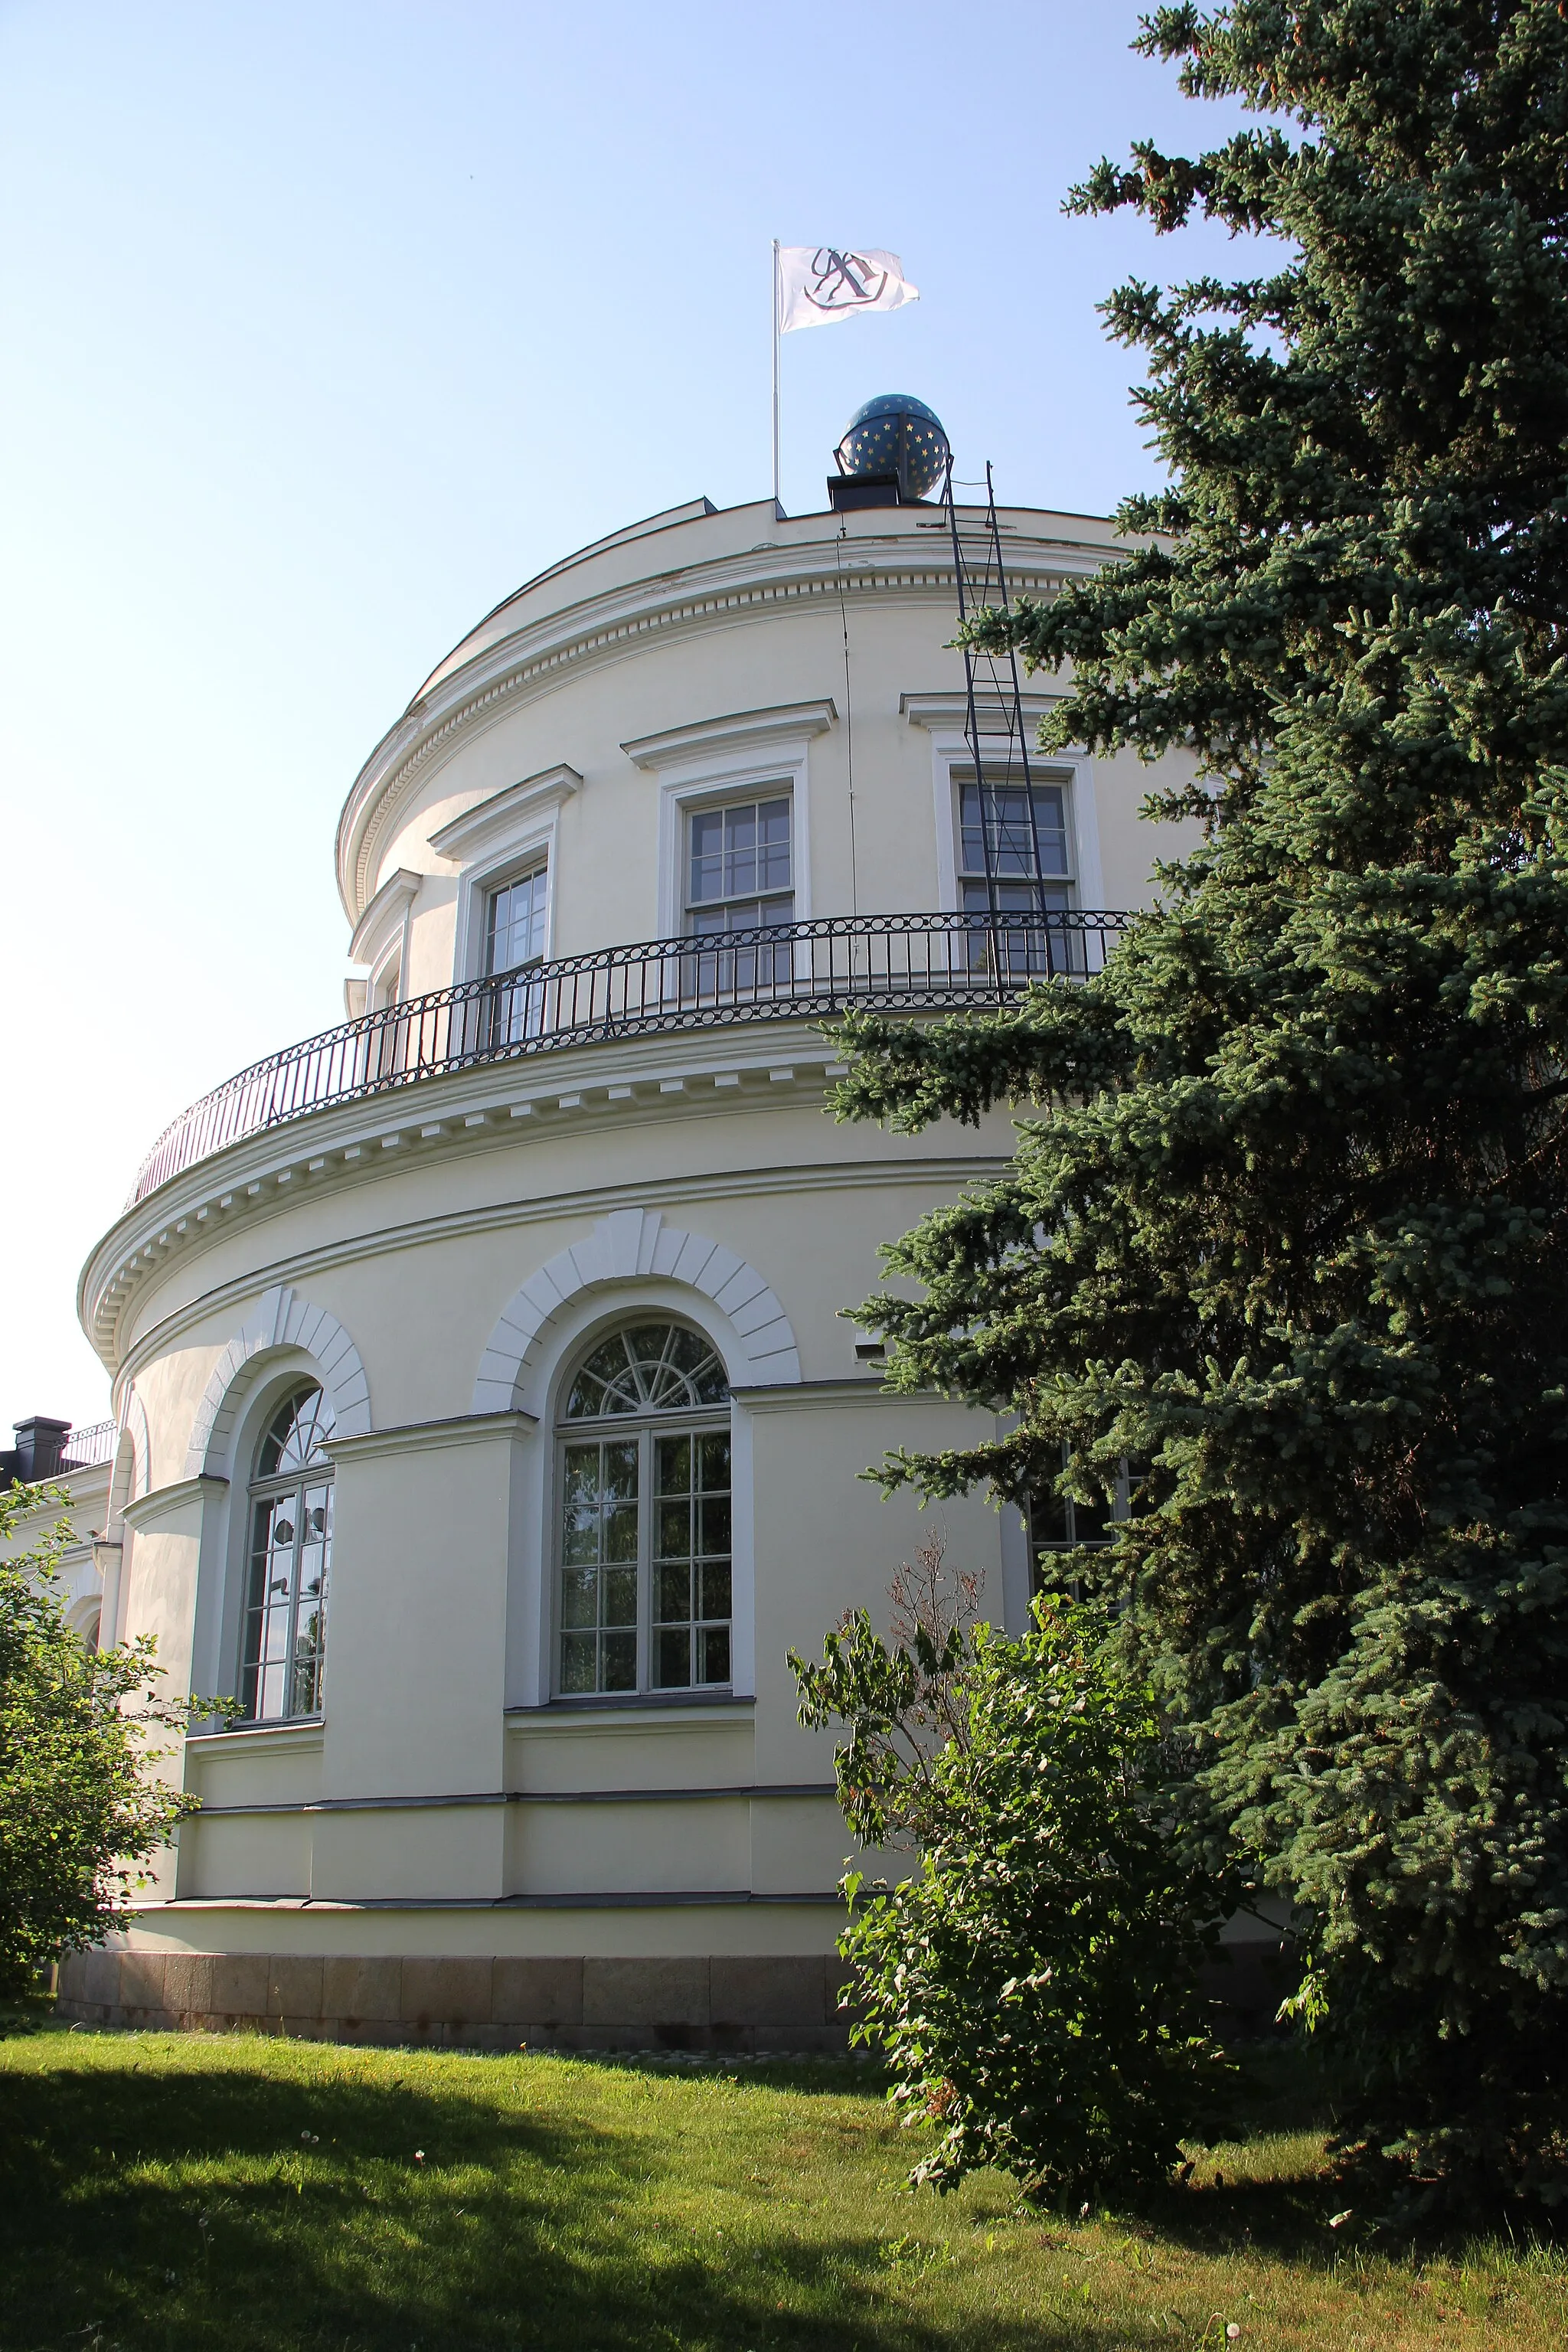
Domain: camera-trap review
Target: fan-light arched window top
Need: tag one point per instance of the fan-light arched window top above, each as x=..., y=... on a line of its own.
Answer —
x=296, y=1435
x=650, y=1367
x=644, y=1515
x=284, y=1643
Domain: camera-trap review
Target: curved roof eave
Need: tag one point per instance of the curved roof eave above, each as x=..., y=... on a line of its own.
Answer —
x=469, y=657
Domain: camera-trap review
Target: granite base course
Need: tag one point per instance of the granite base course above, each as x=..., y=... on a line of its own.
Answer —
x=780, y=2004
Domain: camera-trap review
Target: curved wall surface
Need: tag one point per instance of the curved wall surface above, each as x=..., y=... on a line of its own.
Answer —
x=455, y=1837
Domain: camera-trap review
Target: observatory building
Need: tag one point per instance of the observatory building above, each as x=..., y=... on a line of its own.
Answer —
x=486, y=1417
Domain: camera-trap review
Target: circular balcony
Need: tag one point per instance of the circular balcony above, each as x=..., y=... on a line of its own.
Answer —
x=812, y=971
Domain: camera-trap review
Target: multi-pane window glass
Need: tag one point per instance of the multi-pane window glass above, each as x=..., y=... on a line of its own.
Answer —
x=1058, y=1525
x=600, y=1547
x=1014, y=860
x=645, y=1536
x=514, y=938
x=514, y=922
x=739, y=872
x=284, y=1635
x=691, y=1559
x=1028, y=864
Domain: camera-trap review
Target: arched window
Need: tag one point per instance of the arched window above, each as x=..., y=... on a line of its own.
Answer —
x=644, y=1523
x=285, y=1636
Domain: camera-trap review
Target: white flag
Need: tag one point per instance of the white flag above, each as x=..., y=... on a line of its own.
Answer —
x=818, y=285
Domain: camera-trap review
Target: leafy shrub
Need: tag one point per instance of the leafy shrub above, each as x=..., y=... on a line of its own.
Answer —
x=1034, y=1982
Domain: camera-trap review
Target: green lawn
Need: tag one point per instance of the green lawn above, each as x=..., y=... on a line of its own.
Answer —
x=163, y=2191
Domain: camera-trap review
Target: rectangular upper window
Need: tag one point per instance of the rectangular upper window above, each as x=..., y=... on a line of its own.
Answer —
x=515, y=920
x=1014, y=849
x=1057, y=1524
x=739, y=865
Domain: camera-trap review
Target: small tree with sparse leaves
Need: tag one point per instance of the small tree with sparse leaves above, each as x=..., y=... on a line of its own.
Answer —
x=79, y=1807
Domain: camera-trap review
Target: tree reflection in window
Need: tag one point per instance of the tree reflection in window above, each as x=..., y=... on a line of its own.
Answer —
x=646, y=1516
x=284, y=1642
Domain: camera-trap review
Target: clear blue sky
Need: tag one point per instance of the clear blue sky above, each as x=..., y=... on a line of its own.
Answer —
x=325, y=326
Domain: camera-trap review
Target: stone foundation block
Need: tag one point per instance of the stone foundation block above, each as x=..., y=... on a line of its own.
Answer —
x=669, y=1998
x=446, y=1994
x=784, y=1990
x=294, y=1987
x=238, y=1985
x=780, y=2004
x=98, y=1974
x=142, y=1980
x=188, y=1982
x=537, y=1993
x=362, y=1992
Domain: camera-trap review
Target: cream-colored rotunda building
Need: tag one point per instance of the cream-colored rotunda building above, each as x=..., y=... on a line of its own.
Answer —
x=487, y=1419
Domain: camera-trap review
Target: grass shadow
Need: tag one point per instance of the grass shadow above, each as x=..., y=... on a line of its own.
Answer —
x=289, y=2205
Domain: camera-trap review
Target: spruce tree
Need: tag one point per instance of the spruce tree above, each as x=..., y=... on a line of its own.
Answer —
x=1288, y=1220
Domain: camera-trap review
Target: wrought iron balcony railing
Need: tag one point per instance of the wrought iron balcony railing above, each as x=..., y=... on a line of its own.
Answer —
x=815, y=970
x=90, y=1448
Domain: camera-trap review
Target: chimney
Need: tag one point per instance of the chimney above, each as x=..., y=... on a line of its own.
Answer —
x=40, y=1448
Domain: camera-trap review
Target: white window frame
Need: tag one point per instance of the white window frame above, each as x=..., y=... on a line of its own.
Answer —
x=257, y=1489
x=534, y=1609
x=508, y=835
x=381, y=945
x=596, y=1328
x=751, y=755
x=743, y=796
x=541, y=860
x=779, y=779
x=953, y=759
x=383, y=988
x=714, y=1421
x=942, y=716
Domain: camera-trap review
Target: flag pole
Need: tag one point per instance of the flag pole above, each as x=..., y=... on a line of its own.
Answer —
x=775, y=371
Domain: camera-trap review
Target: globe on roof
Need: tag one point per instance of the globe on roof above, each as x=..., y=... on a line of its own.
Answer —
x=895, y=434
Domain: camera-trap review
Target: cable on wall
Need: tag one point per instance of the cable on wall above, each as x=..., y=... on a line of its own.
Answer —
x=848, y=714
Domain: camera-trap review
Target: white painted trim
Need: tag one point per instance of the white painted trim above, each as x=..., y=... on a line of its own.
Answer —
x=1083, y=816
x=531, y=839
x=632, y=1246
x=742, y=1556
x=535, y=1586
x=148, y=1509
x=384, y=921
x=381, y=942
x=719, y=780
x=283, y=1322
x=132, y=1472
x=492, y=825
x=430, y=1437
x=950, y=749
x=746, y=732
x=303, y=1737
x=948, y=713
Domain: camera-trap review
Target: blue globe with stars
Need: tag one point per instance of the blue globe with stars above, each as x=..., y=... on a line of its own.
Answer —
x=896, y=434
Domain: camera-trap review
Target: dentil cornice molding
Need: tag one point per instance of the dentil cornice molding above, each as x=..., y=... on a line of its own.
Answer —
x=489, y=1105
x=719, y=593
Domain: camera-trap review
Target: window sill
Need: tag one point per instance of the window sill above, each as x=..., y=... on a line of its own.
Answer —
x=634, y=1702
x=287, y=1730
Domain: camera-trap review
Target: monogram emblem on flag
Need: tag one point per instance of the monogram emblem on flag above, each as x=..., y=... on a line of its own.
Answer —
x=844, y=281
x=815, y=285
